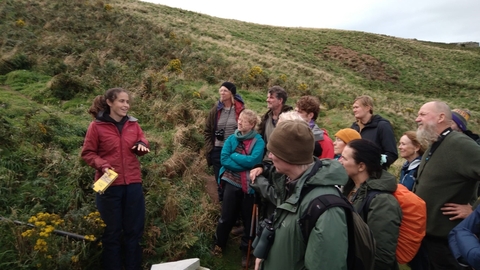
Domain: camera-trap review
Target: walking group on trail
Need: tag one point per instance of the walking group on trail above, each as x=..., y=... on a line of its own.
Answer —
x=308, y=201
x=305, y=200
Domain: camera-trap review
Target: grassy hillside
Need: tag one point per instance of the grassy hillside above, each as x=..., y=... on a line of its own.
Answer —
x=57, y=55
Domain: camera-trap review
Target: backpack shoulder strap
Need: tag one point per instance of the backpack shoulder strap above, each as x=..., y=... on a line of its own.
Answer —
x=317, y=207
x=306, y=189
x=363, y=210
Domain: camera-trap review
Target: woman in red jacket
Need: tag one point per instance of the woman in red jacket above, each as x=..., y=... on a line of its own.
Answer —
x=113, y=141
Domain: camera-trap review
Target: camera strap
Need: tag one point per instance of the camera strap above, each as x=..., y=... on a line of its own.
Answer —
x=228, y=116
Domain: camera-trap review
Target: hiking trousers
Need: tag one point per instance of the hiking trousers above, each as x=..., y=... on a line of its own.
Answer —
x=122, y=208
x=235, y=202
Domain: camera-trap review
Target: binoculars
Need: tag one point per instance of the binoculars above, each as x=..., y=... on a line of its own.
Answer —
x=264, y=240
x=220, y=134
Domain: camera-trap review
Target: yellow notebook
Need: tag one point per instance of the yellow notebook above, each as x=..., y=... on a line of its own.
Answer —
x=104, y=182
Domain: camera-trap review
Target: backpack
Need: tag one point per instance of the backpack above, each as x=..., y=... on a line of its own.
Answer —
x=361, y=244
x=414, y=221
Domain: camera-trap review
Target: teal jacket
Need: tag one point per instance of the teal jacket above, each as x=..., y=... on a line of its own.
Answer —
x=236, y=162
x=327, y=244
x=384, y=218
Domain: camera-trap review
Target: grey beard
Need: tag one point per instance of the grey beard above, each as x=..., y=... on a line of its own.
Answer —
x=427, y=135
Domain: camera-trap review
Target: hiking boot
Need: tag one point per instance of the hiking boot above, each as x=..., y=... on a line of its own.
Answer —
x=217, y=251
x=237, y=231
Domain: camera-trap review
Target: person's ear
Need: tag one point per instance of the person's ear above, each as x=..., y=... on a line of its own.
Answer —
x=310, y=115
x=361, y=167
x=441, y=118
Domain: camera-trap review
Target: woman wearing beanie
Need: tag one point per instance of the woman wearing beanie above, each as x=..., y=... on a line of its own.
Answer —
x=240, y=153
x=342, y=137
x=362, y=159
x=412, y=150
x=290, y=147
x=221, y=122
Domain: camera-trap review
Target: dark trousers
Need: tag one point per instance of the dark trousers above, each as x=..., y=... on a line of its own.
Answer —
x=215, y=157
x=235, y=202
x=122, y=208
x=439, y=255
x=420, y=261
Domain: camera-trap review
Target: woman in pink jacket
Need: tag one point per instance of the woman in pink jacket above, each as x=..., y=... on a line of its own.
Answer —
x=113, y=141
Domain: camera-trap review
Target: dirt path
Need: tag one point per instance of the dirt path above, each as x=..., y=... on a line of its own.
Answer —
x=211, y=187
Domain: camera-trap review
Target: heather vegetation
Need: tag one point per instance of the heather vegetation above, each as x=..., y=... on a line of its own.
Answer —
x=57, y=55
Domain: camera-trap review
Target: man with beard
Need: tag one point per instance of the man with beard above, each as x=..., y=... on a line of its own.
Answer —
x=447, y=174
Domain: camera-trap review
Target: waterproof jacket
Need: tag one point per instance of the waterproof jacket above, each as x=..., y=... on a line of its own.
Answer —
x=380, y=131
x=384, y=218
x=211, y=123
x=327, y=245
x=463, y=240
x=233, y=161
x=106, y=147
x=448, y=175
x=408, y=173
x=324, y=142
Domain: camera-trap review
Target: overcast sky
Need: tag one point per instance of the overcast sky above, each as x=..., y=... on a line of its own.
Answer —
x=431, y=20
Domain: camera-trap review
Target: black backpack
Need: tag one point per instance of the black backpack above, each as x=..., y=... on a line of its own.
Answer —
x=361, y=244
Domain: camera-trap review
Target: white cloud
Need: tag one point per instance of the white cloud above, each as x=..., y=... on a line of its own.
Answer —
x=433, y=20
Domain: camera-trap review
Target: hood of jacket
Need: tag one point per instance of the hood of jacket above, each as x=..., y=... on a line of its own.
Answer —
x=318, y=133
x=386, y=182
x=236, y=97
x=331, y=173
x=373, y=123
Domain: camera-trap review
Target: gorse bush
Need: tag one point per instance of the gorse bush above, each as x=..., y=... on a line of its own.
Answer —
x=50, y=242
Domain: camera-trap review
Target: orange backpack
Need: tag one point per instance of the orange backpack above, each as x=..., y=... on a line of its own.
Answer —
x=413, y=225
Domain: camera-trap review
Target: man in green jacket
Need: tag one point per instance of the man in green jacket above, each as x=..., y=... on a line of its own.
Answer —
x=447, y=175
x=291, y=147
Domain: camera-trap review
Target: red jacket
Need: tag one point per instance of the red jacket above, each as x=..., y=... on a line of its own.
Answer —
x=105, y=147
x=327, y=146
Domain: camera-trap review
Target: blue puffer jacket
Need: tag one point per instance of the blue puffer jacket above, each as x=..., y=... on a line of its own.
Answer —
x=409, y=172
x=463, y=240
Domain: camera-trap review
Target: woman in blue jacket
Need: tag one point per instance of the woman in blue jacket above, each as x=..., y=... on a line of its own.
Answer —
x=411, y=150
x=240, y=153
x=463, y=240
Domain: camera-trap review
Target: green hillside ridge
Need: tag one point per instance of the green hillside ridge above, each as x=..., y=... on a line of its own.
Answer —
x=56, y=56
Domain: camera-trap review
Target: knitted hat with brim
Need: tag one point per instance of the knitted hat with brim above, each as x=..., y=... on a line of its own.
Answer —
x=230, y=86
x=347, y=134
x=292, y=141
x=459, y=120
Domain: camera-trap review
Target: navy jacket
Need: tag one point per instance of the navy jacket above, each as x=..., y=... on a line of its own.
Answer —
x=380, y=131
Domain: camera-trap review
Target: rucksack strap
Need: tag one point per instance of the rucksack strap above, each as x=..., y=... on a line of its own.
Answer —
x=317, y=207
x=363, y=210
x=307, y=188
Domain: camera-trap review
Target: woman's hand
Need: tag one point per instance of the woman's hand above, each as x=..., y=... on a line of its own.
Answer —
x=257, y=263
x=255, y=172
x=140, y=148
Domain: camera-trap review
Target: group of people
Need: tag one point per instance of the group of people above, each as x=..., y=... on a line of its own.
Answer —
x=440, y=167
x=275, y=158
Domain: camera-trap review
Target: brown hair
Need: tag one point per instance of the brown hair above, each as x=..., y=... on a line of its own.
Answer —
x=365, y=101
x=100, y=102
x=412, y=136
x=309, y=104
